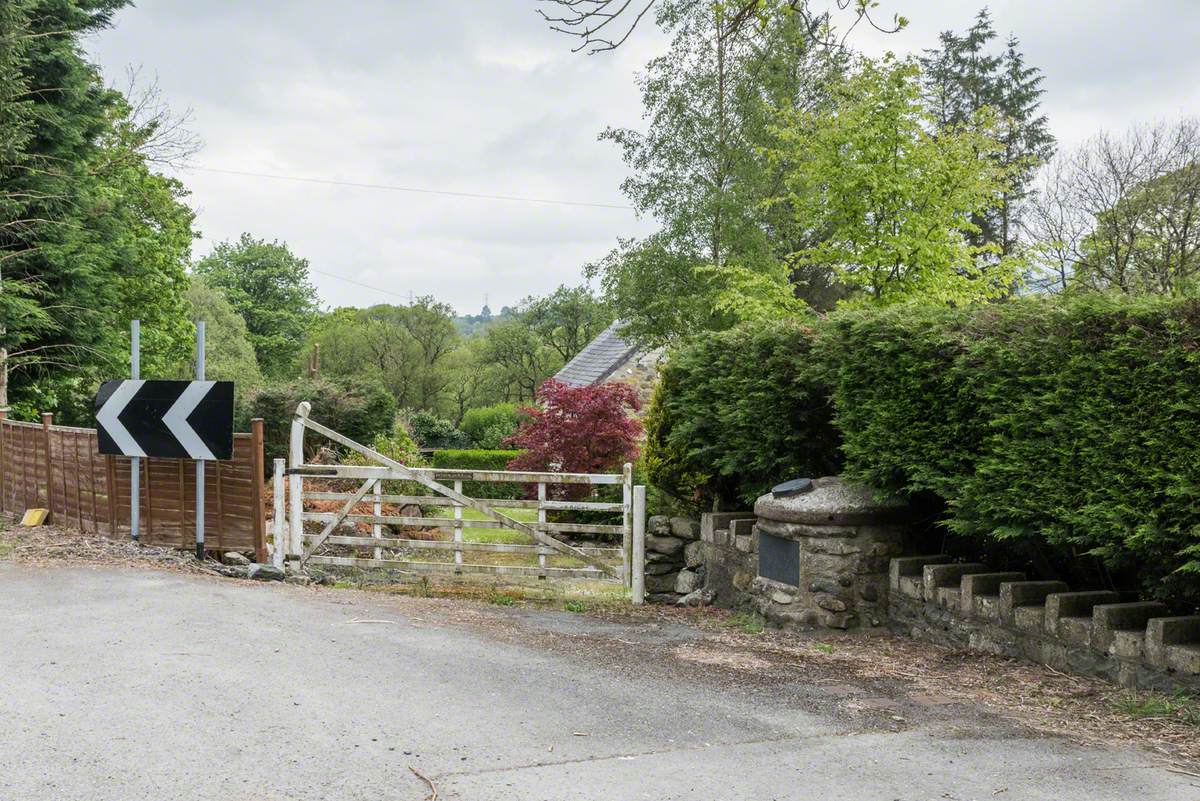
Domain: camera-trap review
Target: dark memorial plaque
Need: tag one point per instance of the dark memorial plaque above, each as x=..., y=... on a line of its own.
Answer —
x=778, y=559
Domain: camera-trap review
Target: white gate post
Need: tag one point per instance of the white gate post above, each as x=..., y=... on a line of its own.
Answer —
x=278, y=530
x=542, y=522
x=377, y=510
x=626, y=517
x=638, y=579
x=458, y=526
x=296, y=481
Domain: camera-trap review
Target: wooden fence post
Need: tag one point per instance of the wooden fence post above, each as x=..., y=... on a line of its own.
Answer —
x=458, y=526
x=78, y=480
x=377, y=510
x=3, y=461
x=110, y=488
x=542, y=521
x=47, y=421
x=144, y=488
x=258, y=466
x=92, y=483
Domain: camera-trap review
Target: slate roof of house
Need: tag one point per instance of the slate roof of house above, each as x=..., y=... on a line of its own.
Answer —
x=599, y=359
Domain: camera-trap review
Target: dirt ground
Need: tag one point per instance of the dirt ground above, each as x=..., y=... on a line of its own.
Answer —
x=882, y=679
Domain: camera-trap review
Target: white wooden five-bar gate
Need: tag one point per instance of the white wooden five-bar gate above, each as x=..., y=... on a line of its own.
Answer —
x=293, y=542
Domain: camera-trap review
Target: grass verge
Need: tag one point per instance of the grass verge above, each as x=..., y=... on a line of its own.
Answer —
x=749, y=622
x=1139, y=705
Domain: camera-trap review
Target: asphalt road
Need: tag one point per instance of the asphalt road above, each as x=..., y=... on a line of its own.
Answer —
x=122, y=684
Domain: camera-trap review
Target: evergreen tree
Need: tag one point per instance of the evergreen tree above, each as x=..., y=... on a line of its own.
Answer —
x=962, y=77
x=90, y=236
x=21, y=317
x=1025, y=134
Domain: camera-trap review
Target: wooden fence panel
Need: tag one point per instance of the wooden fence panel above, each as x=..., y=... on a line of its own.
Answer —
x=23, y=469
x=61, y=468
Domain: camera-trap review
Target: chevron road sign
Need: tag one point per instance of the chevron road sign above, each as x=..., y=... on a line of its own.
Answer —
x=171, y=419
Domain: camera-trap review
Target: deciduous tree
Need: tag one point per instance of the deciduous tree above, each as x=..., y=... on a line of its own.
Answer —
x=566, y=319
x=894, y=201
x=579, y=429
x=700, y=170
x=602, y=25
x=517, y=359
x=268, y=286
x=229, y=356
x=1122, y=212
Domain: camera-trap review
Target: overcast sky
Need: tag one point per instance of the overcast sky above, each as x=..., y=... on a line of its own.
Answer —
x=478, y=96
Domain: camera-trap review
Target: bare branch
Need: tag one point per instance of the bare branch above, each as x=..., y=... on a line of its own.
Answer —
x=585, y=19
x=160, y=135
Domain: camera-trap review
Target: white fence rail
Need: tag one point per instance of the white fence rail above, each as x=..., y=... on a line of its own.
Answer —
x=366, y=506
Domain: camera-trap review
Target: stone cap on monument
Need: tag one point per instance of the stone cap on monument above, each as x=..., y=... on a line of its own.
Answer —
x=833, y=501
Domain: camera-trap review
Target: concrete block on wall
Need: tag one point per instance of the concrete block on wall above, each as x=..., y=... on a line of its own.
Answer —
x=936, y=577
x=1069, y=614
x=1017, y=594
x=1108, y=619
x=1167, y=632
x=981, y=593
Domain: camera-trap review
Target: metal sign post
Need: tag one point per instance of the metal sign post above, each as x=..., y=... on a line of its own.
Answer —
x=200, y=462
x=165, y=420
x=135, y=464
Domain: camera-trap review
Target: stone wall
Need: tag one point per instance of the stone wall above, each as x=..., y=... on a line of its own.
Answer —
x=968, y=605
x=729, y=555
x=1094, y=633
x=674, y=566
x=847, y=572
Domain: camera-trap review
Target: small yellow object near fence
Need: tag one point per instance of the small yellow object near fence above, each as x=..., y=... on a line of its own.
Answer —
x=34, y=517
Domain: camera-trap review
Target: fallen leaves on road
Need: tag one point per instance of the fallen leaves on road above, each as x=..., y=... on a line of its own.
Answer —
x=47, y=545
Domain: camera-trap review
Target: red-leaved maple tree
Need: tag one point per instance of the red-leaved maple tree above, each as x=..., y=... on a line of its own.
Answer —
x=578, y=429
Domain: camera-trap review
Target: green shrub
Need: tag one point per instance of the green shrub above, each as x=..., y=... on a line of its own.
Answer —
x=736, y=412
x=396, y=444
x=431, y=431
x=460, y=459
x=489, y=426
x=1061, y=427
x=360, y=410
x=494, y=438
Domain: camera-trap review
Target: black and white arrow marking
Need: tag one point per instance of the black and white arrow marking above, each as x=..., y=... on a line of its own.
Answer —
x=170, y=419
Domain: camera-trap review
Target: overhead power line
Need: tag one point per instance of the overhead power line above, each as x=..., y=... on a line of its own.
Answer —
x=411, y=189
x=360, y=283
